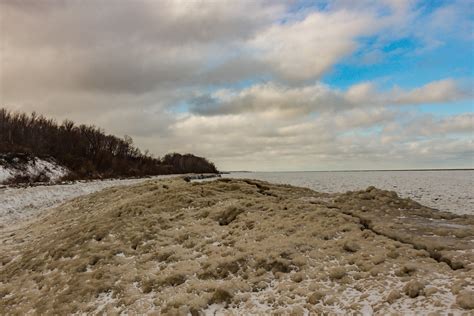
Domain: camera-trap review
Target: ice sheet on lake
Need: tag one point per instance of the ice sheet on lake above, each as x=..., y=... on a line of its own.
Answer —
x=447, y=190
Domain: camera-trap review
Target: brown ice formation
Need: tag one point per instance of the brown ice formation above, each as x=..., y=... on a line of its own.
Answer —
x=238, y=247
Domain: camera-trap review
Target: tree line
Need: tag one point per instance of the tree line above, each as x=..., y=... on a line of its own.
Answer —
x=86, y=150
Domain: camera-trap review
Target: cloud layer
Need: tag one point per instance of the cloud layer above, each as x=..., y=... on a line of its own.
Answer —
x=242, y=82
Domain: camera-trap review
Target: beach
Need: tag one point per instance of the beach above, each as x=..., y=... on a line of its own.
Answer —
x=237, y=246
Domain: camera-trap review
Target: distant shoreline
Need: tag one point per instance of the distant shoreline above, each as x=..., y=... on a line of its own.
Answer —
x=368, y=170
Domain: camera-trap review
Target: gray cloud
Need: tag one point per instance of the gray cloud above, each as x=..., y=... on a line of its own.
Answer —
x=76, y=23
x=121, y=46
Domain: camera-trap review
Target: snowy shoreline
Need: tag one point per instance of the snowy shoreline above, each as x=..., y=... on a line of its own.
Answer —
x=21, y=203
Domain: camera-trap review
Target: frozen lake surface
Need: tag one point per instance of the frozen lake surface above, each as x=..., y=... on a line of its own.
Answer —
x=446, y=190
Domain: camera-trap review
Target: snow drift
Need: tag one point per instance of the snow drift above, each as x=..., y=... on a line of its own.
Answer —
x=21, y=168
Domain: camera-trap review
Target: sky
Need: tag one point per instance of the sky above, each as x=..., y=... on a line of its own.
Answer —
x=253, y=85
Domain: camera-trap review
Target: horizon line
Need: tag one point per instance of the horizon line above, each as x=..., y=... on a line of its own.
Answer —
x=355, y=170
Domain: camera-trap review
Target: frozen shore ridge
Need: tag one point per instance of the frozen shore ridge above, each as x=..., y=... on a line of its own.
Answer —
x=237, y=247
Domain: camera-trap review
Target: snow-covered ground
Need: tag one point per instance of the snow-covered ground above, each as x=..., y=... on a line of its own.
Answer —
x=17, y=204
x=31, y=168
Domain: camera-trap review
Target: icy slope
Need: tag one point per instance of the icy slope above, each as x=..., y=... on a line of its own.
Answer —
x=29, y=169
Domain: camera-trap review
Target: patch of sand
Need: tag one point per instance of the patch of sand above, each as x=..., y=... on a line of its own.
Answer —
x=238, y=247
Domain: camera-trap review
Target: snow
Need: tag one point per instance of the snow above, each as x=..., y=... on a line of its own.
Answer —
x=102, y=301
x=32, y=168
x=215, y=310
x=52, y=170
x=5, y=174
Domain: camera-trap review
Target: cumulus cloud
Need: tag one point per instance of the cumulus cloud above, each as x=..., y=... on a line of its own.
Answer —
x=429, y=126
x=273, y=99
x=356, y=138
x=301, y=50
x=278, y=100
x=434, y=92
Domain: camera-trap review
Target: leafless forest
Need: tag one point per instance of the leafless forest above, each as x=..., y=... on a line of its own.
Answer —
x=87, y=150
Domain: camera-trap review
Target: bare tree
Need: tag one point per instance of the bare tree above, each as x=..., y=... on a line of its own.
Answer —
x=86, y=150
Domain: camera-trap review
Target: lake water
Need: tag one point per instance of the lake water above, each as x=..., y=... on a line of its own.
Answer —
x=446, y=190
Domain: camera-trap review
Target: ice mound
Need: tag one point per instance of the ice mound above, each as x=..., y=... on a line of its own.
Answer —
x=238, y=247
